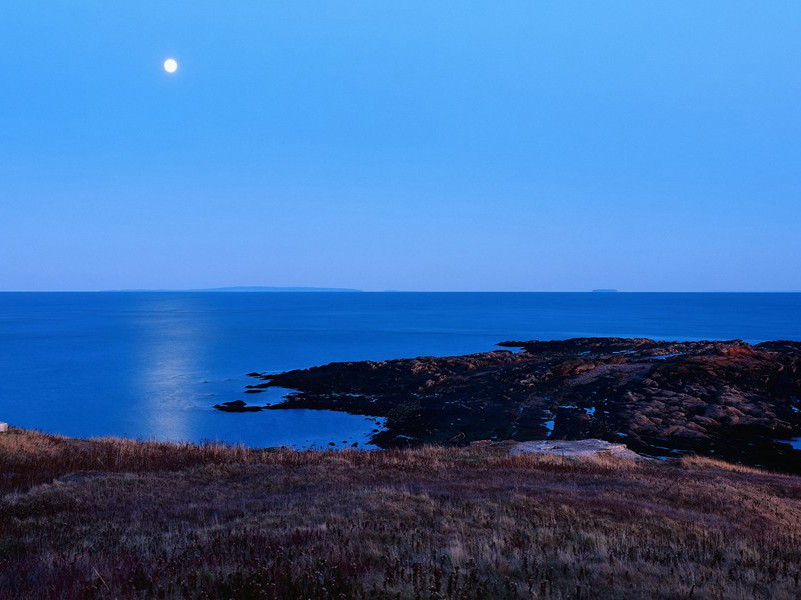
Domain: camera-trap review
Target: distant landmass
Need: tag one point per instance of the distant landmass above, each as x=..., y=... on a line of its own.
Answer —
x=262, y=288
x=605, y=290
x=255, y=288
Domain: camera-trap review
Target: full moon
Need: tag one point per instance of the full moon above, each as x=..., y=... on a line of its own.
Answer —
x=171, y=65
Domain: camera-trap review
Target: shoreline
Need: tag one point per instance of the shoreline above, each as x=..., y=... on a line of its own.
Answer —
x=722, y=399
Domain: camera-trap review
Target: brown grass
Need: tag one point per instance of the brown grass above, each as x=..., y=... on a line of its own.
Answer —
x=705, y=463
x=122, y=519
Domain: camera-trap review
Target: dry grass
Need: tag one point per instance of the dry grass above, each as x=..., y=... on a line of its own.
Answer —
x=120, y=519
x=705, y=463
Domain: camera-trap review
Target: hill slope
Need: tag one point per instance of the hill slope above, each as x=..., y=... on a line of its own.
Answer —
x=121, y=519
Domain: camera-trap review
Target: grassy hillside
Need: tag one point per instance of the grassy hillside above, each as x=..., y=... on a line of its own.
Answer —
x=114, y=518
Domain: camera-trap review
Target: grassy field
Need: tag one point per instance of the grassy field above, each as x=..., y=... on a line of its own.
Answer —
x=119, y=519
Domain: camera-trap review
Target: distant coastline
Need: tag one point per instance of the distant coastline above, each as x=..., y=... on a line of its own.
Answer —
x=261, y=288
x=276, y=289
x=248, y=289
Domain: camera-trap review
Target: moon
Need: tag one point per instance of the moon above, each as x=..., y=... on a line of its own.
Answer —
x=171, y=65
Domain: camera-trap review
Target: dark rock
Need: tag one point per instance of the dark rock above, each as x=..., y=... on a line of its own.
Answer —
x=729, y=399
x=237, y=406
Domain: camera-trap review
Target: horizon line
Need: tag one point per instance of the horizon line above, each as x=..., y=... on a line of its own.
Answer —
x=326, y=290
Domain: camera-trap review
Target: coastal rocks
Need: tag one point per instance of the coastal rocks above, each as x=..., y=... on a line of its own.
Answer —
x=237, y=406
x=575, y=449
x=730, y=400
x=3, y=427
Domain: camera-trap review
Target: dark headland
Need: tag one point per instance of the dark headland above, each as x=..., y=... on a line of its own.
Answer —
x=729, y=400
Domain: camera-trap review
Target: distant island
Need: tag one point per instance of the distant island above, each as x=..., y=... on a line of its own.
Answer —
x=604, y=290
x=253, y=288
x=266, y=288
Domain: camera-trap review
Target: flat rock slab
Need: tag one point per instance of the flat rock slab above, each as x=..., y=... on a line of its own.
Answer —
x=575, y=449
x=3, y=427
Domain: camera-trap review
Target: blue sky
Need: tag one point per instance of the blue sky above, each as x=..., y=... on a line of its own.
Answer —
x=401, y=145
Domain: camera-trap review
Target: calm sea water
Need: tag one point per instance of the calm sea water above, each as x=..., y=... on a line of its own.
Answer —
x=151, y=365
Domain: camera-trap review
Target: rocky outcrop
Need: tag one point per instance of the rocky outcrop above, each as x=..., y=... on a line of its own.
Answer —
x=3, y=427
x=729, y=399
x=575, y=449
x=237, y=406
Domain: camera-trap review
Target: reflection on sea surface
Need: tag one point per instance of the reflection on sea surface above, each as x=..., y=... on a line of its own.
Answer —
x=168, y=354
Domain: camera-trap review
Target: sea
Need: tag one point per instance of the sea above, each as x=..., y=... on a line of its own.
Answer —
x=151, y=365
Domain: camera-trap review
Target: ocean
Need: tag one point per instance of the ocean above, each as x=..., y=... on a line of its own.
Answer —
x=151, y=365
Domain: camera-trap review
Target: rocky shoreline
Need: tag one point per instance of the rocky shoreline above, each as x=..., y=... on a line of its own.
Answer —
x=729, y=400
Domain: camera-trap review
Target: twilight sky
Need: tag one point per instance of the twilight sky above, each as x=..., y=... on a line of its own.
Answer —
x=483, y=145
